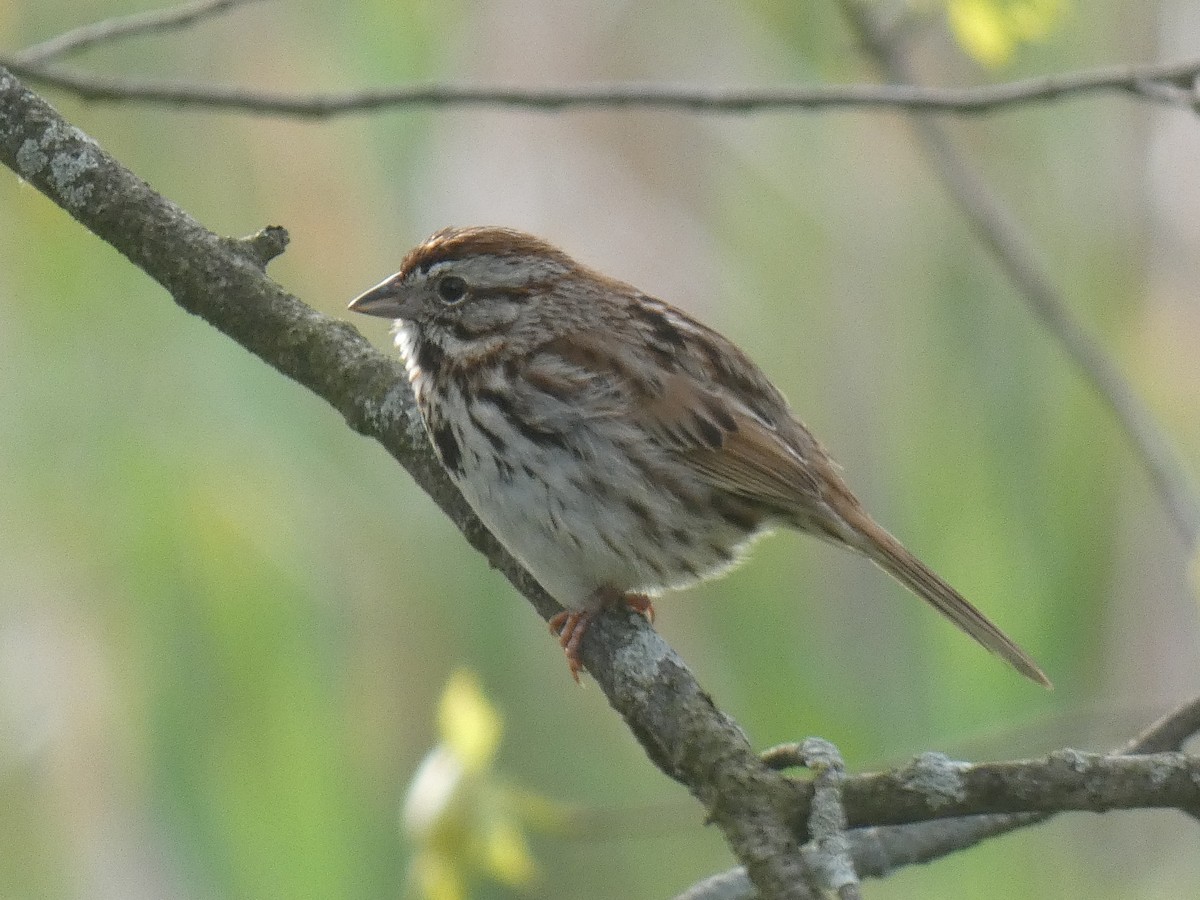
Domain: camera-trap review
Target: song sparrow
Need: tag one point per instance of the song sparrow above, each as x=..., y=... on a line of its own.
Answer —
x=613, y=444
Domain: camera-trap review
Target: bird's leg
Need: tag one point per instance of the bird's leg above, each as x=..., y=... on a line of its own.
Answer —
x=570, y=625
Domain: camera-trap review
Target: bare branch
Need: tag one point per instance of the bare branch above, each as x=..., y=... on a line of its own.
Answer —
x=1170, y=732
x=936, y=787
x=109, y=30
x=1013, y=249
x=1168, y=83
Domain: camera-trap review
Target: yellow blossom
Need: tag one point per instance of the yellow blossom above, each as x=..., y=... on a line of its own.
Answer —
x=465, y=821
x=469, y=725
x=991, y=30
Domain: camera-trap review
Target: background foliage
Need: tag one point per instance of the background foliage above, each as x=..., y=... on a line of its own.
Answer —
x=225, y=620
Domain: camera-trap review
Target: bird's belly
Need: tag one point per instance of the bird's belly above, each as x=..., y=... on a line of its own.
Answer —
x=580, y=524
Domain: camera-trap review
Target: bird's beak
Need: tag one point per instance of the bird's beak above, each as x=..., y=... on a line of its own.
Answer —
x=384, y=300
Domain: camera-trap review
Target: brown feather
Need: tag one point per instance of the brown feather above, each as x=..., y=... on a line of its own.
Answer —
x=786, y=469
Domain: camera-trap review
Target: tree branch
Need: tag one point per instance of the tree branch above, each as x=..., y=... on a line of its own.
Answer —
x=1169, y=83
x=933, y=786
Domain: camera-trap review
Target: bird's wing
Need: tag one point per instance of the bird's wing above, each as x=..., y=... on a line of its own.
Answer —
x=777, y=464
x=705, y=403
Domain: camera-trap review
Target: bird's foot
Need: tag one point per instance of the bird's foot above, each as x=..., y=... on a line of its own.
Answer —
x=641, y=604
x=570, y=625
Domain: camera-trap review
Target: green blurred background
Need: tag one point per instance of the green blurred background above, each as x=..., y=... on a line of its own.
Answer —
x=225, y=619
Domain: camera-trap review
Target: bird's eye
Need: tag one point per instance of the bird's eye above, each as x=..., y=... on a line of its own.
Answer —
x=451, y=288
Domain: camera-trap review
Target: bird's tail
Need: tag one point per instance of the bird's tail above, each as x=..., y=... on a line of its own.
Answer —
x=891, y=556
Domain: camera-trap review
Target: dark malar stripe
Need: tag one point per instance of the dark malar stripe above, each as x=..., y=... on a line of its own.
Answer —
x=467, y=331
x=447, y=447
x=429, y=358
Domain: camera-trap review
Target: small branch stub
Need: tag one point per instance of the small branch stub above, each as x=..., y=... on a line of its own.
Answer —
x=264, y=245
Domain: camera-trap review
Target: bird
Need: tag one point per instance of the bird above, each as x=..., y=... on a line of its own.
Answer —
x=616, y=447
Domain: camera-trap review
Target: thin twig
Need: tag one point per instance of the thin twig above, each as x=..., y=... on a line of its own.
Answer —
x=1168, y=83
x=1170, y=732
x=1014, y=251
x=108, y=30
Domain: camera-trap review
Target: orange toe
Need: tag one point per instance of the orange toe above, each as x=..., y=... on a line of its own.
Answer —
x=570, y=626
x=641, y=604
